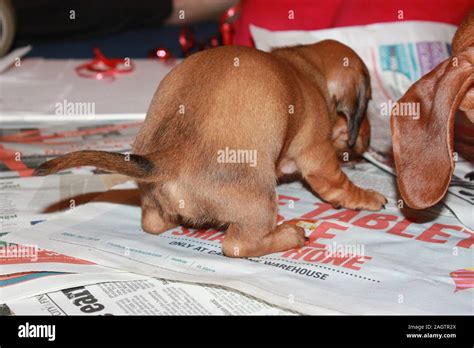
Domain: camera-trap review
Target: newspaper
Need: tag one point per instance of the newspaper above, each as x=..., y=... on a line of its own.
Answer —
x=28, y=201
x=9, y=60
x=24, y=149
x=396, y=55
x=460, y=197
x=17, y=286
x=144, y=297
x=26, y=270
x=356, y=262
x=35, y=89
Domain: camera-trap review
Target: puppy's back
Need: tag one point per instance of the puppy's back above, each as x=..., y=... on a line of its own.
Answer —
x=227, y=97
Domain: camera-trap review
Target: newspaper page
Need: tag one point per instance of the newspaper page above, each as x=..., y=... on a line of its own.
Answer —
x=396, y=55
x=144, y=297
x=356, y=262
x=49, y=90
x=460, y=197
x=26, y=270
x=27, y=201
x=22, y=285
x=9, y=59
x=24, y=149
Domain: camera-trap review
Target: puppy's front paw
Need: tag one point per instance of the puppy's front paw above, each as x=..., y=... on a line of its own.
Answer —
x=365, y=200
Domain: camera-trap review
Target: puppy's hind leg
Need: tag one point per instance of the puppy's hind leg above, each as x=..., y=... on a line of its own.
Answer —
x=153, y=220
x=256, y=233
x=320, y=168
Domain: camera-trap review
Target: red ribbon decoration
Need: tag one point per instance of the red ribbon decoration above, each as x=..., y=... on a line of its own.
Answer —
x=226, y=25
x=103, y=68
x=187, y=38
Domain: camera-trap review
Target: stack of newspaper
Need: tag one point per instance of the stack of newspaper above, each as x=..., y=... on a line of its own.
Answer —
x=72, y=242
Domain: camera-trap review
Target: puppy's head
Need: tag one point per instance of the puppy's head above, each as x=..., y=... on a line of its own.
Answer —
x=348, y=83
x=340, y=139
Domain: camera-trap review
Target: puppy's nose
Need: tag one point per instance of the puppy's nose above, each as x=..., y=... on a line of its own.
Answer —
x=351, y=142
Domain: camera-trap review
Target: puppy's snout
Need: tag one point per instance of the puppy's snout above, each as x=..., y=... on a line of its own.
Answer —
x=342, y=141
x=353, y=133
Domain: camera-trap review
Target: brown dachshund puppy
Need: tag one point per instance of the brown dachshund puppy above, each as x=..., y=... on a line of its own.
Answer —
x=225, y=124
x=423, y=143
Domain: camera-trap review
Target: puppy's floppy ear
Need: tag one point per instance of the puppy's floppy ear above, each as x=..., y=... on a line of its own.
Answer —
x=355, y=120
x=423, y=143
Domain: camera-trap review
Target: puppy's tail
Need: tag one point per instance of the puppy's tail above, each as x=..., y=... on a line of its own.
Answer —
x=135, y=166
